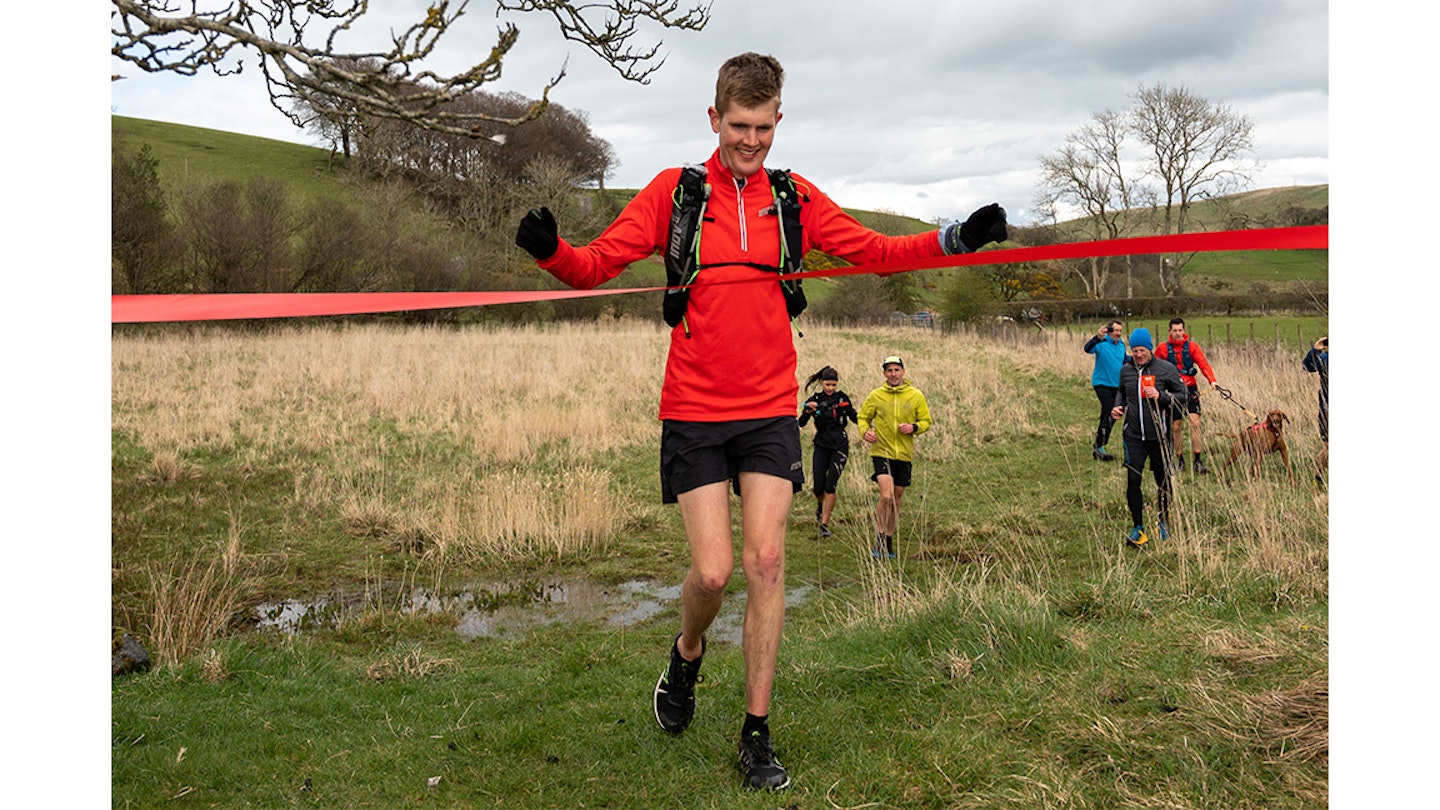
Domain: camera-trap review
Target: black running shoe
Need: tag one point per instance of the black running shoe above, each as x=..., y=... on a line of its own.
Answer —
x=675, y=691
x=758, y=763
x=1200, y=468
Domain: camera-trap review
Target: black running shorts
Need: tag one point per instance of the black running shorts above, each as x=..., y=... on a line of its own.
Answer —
x=1192, y=400
x=693, y=454
x=899, y=470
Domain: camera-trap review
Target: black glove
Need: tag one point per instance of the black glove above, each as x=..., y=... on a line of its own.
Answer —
x=984, y=226
x=538, y=235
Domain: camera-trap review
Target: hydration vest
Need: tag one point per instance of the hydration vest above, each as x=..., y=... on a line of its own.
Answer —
x=1184, y=362
x=682, y=250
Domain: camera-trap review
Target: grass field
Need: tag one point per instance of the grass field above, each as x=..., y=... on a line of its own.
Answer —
x=1016, y=655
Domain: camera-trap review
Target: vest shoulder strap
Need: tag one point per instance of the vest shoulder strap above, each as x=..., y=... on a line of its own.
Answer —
x=787, y=205
x=682, y=247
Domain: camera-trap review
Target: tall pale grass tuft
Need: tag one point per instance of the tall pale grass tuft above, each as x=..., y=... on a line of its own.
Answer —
x=412, y=664
x=524, y=513
x=166, y=467
x=191, y=605
x=889, y=595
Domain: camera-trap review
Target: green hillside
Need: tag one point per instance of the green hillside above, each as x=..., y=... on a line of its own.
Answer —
x=193, y=154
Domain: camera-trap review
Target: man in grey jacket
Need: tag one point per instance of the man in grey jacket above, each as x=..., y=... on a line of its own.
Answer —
x=1150, y=390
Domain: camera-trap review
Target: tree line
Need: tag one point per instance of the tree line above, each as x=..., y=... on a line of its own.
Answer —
x=424, y=211
x=1143, y=170
x=402, y=179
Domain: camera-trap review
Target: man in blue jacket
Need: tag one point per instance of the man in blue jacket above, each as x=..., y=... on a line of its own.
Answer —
x=1108, y=346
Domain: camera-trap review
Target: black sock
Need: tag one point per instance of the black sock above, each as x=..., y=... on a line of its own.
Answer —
x=755, y=725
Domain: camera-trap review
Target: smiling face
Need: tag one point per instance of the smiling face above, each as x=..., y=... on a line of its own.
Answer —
x=829, y=386
x=894, y=374
x=746, y=134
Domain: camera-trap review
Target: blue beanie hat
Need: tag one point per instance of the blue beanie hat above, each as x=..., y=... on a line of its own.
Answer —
x=1141, y=337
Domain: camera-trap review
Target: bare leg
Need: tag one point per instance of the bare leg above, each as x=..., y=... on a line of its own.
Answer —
x=886, y=511
x=895, y=519
x=827, y=507
x=1194, y=434
x=764, y=507
x=706, y=513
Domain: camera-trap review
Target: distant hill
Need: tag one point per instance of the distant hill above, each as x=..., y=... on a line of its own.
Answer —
x=194, y=154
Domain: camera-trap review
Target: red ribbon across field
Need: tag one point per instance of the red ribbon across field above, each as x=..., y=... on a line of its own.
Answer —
x=235, y=306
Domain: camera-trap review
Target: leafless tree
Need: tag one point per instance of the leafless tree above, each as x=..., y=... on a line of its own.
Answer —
x=238, y=236
x=1197, y=150
x=1089, y=173
x=297, y=42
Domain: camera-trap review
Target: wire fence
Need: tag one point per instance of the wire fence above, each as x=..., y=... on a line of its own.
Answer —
x=1237, y=333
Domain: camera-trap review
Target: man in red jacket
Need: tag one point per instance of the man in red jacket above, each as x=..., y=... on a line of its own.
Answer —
x=727, y=405
x=1187, y=356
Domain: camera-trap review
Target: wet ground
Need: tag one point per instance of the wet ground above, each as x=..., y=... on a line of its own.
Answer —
x=508, y=610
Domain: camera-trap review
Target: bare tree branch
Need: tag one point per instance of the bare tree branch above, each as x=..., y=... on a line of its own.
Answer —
x=1197, y=149
x=610, y=41
x=187, y=36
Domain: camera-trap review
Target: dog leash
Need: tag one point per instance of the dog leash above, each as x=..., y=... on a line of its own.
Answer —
x=1225, y=393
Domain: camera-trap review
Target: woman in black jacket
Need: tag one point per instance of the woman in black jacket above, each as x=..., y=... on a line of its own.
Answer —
x=830, y=408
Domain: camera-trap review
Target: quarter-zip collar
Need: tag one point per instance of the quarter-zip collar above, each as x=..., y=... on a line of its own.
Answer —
x=722, y=175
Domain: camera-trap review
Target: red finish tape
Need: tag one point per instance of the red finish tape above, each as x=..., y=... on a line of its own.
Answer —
x=238, y=306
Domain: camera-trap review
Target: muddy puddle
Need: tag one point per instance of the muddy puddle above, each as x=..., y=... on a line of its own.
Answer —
x=508, y=610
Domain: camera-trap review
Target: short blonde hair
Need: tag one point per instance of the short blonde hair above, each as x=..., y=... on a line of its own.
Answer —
x=749, y=80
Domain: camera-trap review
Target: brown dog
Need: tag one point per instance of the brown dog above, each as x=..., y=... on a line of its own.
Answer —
x=1261, y=439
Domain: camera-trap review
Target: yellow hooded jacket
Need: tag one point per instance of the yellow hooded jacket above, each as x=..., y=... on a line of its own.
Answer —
x=886, y=409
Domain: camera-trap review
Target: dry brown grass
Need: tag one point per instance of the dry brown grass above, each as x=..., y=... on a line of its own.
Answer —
x=192, y=605
x=1292, y=723
x=412, y=664
x=374, y=415
x=507, y=393
x=529, y=403
x=214, y=668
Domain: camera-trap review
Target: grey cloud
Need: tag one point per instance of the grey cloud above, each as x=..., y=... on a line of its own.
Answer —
x=945, y=99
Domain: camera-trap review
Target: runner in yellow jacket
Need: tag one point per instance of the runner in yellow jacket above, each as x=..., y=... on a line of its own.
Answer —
x=889, y=420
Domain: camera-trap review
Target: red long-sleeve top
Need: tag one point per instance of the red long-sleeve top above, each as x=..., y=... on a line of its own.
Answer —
x=738, y=360
x=1173, y=350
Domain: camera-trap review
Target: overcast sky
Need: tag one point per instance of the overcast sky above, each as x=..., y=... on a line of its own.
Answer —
x=926, y=108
